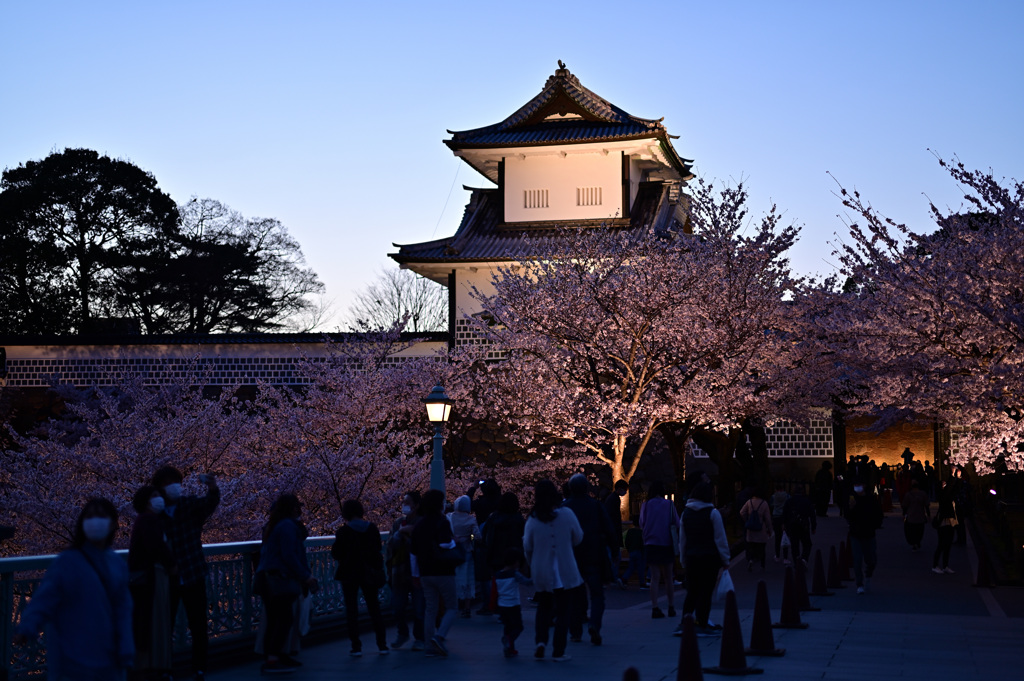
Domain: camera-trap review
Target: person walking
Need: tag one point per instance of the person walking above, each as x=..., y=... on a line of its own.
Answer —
x=823, y=488
x=466, y=533
x=613, y=507
x=864, y=517
x=550, y=534
x=945, y=522
x=84, y=604
x=510, y=610
x=916, y=512
x=657, y=518
x=183, y=520
x=357, y=549
x=431, y=538
x=800, y=523
x=633, y=542
x=150, y=565
x=591, y=558
x=779, y=499
x=406, y=592
x=704, y=548
x=757, y=522
x=282, y=573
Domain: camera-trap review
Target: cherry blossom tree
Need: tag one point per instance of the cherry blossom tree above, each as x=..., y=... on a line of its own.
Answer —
x=610, y=335
x=109, y=442
x=931, y=325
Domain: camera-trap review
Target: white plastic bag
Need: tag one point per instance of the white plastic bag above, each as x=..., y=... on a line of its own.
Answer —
x=724, y=586
x=785, y=541
x=305, y=612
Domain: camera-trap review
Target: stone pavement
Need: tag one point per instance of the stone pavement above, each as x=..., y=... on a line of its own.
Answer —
x=912, y=623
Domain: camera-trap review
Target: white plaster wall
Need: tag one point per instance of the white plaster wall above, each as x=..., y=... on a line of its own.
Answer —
x=561, y=175
x=465, y=279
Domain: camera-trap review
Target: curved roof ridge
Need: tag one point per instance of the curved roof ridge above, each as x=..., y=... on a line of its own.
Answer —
x=563, y=81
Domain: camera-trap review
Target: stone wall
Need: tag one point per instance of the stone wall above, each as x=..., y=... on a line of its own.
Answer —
x=887, y=446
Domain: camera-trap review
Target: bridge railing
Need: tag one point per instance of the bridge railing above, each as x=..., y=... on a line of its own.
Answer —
x=234, y=611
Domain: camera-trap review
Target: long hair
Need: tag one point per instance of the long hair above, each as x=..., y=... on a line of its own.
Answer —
x=547, y=499
x=286, y=506
x=95, y=508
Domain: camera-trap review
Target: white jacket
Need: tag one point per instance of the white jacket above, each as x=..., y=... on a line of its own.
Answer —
x=548, y=548
x=721, y=540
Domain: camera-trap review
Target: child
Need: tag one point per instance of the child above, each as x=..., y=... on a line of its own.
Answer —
x=507, y=581
x=633, y=540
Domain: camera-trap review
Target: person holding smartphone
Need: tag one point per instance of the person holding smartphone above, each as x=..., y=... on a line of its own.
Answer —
x=183, y=520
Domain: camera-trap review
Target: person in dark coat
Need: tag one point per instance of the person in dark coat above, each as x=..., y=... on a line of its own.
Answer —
x=945, y=523
x=800, y=522
x=150, y=565
x=183, y=520
x=823, y=488
x=503, y=531
x=406, y=592
x=613, y=506
x=591, y=558
x=864, y=517
x=284, y=570
x=483, y=507
x=357, y=548
x=434, y=532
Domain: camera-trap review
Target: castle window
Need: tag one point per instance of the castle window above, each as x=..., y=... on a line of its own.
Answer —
x=588, y=196
x=535, y=198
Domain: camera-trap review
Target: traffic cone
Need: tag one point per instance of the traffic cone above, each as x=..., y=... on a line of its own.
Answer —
x=819, y=586
x=845, y=560
x=689, y=654
x=803, y=600
x=762, y=640
x=631, y=674
x=790, y=618
x=732, y=661
x=835, y=581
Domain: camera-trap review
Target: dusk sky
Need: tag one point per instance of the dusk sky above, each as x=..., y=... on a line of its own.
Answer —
x=330, y=116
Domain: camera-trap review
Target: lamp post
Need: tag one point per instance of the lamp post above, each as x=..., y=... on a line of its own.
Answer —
x=439, y=408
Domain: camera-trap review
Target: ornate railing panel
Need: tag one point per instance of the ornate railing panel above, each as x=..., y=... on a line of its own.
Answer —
x=233, y=609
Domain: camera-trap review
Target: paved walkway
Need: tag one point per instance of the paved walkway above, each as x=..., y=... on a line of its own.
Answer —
x=912, y=623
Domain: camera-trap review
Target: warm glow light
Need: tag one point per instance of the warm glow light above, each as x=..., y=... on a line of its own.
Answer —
x=439, y=405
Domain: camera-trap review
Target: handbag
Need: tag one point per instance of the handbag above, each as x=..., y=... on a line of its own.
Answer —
x=725, y=585
x=449, y=558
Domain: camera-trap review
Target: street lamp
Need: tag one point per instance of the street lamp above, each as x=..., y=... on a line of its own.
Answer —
x=439, y=408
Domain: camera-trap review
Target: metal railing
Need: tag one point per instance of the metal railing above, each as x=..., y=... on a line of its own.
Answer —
x=233, y=616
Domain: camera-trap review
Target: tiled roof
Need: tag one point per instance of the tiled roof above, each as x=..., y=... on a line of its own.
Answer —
x=590, y=118
x=483, y=236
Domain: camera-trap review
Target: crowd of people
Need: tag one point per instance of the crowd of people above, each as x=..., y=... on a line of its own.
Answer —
x=441, y=561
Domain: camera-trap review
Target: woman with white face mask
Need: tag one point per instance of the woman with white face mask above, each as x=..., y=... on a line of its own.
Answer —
x=149, y=564
x=84, y=604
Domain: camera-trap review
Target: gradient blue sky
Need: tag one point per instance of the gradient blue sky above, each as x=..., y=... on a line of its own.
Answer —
x=330, y=115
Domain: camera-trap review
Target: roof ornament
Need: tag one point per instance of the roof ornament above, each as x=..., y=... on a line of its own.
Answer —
x=562, y=71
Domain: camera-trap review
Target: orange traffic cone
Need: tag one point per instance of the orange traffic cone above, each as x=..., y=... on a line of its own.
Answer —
x=803, y=600
x=819, y=586
x=689, y=654
x=835, y=580
x=732, y=661
x=790, y=618
x=762, y=641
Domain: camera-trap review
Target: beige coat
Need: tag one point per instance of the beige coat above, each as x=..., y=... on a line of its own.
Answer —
x=760, y=506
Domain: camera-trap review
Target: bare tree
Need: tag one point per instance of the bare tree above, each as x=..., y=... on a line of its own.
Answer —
x=398, y=295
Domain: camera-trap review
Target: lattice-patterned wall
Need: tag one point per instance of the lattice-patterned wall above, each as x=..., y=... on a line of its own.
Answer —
x=789, y=440
x=466, y=335
x=41, y=373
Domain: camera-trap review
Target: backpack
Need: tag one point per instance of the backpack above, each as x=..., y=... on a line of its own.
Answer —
x=754, y=520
